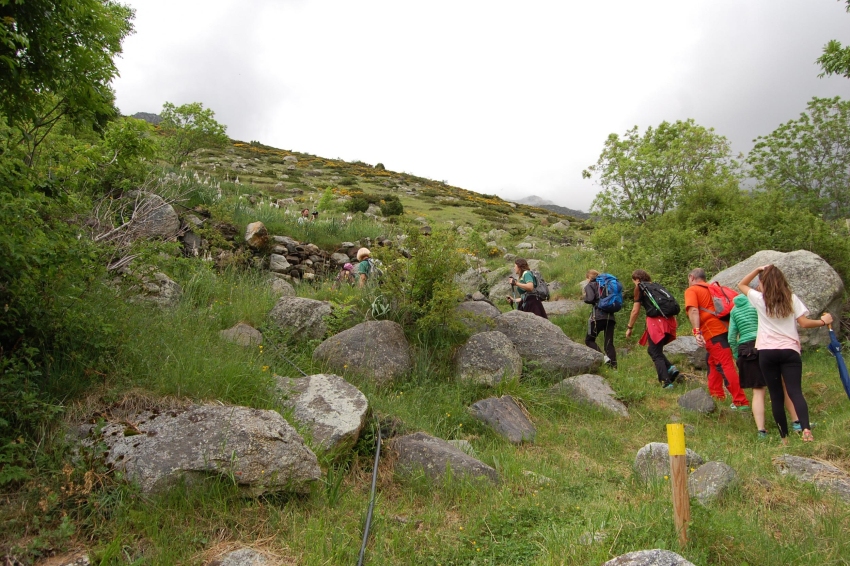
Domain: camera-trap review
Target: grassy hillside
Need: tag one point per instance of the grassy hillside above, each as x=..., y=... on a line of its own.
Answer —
x=569, y=498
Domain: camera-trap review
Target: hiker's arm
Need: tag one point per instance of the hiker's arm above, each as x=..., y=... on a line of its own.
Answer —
x=632, y=319
x=589, y=296
x=693, y=317
x=362, y=279
x=824, y=320
x=744, y=285
x=526, y=286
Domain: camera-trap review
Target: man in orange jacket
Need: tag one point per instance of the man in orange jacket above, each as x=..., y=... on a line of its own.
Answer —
x=713, y=334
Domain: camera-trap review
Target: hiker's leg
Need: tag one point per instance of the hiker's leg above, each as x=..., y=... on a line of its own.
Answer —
x=789, y=406
x=715, y=378
x=723, y=355
x=592, y=333
x=656, y=352
x=792, y=375
x=770, y=363
x=610, y=350
x=758, y=407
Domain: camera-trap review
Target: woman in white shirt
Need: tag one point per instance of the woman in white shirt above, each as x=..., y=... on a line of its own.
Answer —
x=778, y=343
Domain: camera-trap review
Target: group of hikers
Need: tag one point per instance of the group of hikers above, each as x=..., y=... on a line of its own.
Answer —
x=356, y=273
x=751, y=338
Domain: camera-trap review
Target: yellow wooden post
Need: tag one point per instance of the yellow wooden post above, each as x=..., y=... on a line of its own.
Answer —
x=679, y=480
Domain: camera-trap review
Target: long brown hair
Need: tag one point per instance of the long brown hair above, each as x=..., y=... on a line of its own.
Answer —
x=777, y=292
x=522, y=264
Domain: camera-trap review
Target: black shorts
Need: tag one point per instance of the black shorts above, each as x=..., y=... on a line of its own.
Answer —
x=749, y=371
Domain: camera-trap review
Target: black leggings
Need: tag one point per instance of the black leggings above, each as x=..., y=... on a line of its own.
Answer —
x=594, y=327
x=662, y=364
x=784, y=365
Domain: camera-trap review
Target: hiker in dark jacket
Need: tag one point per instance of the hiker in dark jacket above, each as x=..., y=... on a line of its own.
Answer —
x=659, y=331
x=600, y=321
x=528, y=301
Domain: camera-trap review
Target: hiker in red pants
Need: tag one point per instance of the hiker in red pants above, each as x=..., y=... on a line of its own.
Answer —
x=712, y=333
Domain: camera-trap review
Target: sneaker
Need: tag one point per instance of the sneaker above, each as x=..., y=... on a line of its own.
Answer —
x=667, y=385
x=741, y=408
x=797, y=427
x=762, y=434
x=673, y=372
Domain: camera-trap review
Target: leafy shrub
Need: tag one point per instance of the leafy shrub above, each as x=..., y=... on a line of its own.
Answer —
x=422, y=290
x=391, y=206
x=357, y=204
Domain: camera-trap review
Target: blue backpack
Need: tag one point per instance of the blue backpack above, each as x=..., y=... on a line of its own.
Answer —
x=610, y=293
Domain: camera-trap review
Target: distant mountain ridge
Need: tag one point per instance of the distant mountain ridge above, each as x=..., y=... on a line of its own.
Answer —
x=539, y=202
x=148, y=117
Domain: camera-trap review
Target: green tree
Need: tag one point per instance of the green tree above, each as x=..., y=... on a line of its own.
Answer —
x=808, y=159
x=836, y=57
x=188, y=128
x=643, y=176
x=57, y=60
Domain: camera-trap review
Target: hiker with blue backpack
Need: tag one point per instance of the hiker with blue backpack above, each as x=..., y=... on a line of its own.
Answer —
x=528, y=287
x=605, y=293
x=661, y=310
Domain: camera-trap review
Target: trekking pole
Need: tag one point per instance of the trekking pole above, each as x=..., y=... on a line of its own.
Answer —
x=679, y=480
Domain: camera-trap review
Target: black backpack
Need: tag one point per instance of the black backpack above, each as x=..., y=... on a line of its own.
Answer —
x=541, y=288
x=658, y=301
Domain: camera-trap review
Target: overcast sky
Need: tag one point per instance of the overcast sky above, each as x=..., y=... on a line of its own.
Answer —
x=511, y=98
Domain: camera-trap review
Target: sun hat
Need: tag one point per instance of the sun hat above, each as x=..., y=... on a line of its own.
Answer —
x=363, y=253
x=348, y=267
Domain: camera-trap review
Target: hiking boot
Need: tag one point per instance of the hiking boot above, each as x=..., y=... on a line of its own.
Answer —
x=740, y=408
x=673, y=372
x=667, y=385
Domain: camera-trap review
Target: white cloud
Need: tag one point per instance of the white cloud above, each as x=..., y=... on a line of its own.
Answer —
x=496, y=97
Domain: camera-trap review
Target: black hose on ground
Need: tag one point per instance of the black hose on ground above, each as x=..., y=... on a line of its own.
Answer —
x=368, y=524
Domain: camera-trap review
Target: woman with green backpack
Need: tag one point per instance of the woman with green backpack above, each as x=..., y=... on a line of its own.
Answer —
x=528, y=300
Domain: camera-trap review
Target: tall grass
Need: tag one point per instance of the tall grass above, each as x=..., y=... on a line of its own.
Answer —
x=179, y=352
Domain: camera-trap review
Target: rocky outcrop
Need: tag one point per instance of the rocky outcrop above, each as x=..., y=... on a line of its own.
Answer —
x=281, y=288
x=154, y=287
x=477, y=315
x=506, y=417
x=656, y=557
x=687, y=346
x=242, y=334
x=300, y=317
x=824, y=475
x=593, y=390
x=488, y=358
x=653, y=461
x=152, y=217
x=256, y=235
x=433, y=456
x=378, y=350
x=711, y=481
x=333, y=410
x=540, y=341
x=469, y=281
x=562, y=306
x=257, y=449
x=811, y=278
x=698, y=400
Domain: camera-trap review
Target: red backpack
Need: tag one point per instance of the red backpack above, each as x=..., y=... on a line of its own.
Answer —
x=723, y=298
